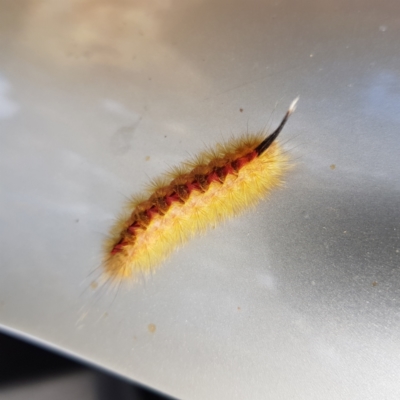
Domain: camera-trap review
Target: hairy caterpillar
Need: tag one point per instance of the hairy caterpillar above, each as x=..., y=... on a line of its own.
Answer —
x=216, y=185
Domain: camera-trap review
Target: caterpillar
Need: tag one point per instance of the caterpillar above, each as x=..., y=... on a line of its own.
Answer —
x=217, y=184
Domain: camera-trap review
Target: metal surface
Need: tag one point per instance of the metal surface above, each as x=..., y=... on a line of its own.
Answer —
x=296, y=299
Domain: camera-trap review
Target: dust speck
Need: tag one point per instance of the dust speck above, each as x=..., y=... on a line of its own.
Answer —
x=332, y=166
x=239, y=308
x=374, y=283
x=241, y=109
x=147, y=158
x=94, y=285
x=151, y=328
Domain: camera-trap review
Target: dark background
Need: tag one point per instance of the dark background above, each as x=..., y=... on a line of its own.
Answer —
x=28, y=371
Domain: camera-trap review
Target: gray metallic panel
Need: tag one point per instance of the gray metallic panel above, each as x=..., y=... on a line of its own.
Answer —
x=298, y=298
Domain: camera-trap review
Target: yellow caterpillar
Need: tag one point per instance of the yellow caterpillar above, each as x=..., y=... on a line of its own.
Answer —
x=216, y=185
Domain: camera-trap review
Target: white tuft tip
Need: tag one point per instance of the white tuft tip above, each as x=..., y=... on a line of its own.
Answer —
x=293, y=105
